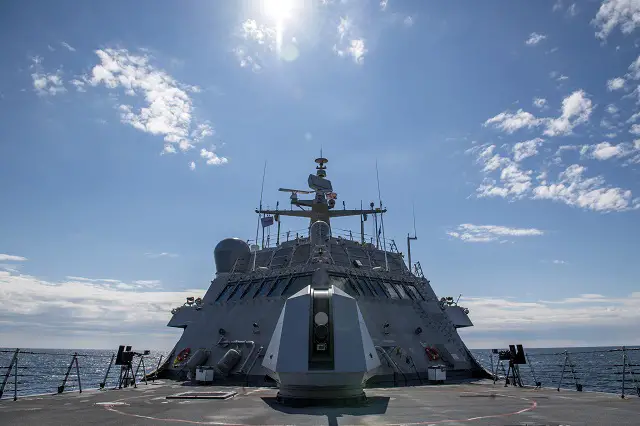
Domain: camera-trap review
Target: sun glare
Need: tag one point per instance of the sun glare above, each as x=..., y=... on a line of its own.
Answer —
x=278, y=9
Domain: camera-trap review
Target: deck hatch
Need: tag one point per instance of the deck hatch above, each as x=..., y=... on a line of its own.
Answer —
x=202, y=395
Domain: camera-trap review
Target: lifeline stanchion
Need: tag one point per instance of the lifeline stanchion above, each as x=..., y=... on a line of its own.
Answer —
x=66, y=376
x=14, y=361
x=104, y=382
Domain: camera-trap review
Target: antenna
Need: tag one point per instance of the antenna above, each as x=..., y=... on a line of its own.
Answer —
x=264, y=172
x=413, y=208
x=384, y=239
x=409, y=237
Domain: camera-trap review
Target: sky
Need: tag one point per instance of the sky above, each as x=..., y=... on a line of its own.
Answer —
x=134, y=137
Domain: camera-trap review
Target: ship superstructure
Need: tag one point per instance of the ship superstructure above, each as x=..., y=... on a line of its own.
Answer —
x=321, y=315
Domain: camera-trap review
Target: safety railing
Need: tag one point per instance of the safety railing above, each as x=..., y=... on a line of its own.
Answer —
x=270, y=239
x=603, y=370
x=25, y=372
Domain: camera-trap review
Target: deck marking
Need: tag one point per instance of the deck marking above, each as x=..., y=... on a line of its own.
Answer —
x=533, y=405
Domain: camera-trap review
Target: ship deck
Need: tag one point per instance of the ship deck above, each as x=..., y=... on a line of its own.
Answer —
x=476, y=403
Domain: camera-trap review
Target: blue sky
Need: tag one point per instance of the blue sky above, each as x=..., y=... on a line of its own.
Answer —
x=134, y=137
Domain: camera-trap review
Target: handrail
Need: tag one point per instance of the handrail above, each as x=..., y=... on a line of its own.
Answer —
x=602, y=373
x=31, y=372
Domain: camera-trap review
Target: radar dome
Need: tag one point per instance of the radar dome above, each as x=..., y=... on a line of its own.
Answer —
x=320, y=233
x=228, y=251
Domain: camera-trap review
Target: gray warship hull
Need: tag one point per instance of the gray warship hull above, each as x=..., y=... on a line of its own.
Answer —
x=321, y=316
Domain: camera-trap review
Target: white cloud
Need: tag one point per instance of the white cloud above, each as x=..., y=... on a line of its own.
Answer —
x=515, y=183
x=169, y=109
x=633, y=118
x=571, y=187
x=557, y=5
x=559, y=262
x=615, y=84
x=383, y=4
x=572, y=10
x=605, y=151
x=67, y=46
x=635, y=129
x=613, y=13
x=539, y=102
x=86, y=308
x=148, y=283
x=349, y=42
x=574, y=189
x=576, y=109
x=212, y=158
x=408, y=21
x=11, y=258
x=522, y=150
x=612, y=109
x=79, y=84
x=487, y=233
x=192, y=165
x=634, y=69
x=46, y=83
x=535, y=38
x=581, y=314
x=157, y=255
x=510, y=122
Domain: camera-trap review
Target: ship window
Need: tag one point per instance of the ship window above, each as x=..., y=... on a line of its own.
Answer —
x=280, y=284
x=390, y=290
x=354, y=288
x=406, y=291
x=252, y=285
x=264, y=288
x=225, y=292
x=415, y=292
x=296, y=284
x=400, y=290
x=380, y=289
x=238, y=291
x=371, y=286
x=344, y=284
x=366, y=291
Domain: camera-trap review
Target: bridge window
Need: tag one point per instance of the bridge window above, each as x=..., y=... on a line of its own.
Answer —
x=344, y=284
x=413, y=290
x=225, y=292
x=400, y=290
x=277, y=288
x=390, y=290
x=296, y=284
x=239, y=291
x=264, y=288
x=375, y=290
x=364, y=285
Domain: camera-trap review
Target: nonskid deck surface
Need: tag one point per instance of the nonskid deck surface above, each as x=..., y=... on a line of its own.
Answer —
x=480, y=403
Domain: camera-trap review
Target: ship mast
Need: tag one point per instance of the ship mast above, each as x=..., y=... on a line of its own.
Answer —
x=321, y=206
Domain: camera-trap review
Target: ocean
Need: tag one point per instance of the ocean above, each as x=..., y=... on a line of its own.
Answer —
x=42, y=371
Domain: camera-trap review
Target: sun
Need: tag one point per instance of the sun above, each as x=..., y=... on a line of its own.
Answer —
x=278, y=9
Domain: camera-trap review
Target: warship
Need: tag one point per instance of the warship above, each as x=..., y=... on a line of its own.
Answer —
x=319, y=329
x=322, y=316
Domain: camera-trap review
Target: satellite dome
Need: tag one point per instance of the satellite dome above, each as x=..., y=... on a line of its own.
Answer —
x=228, y=251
